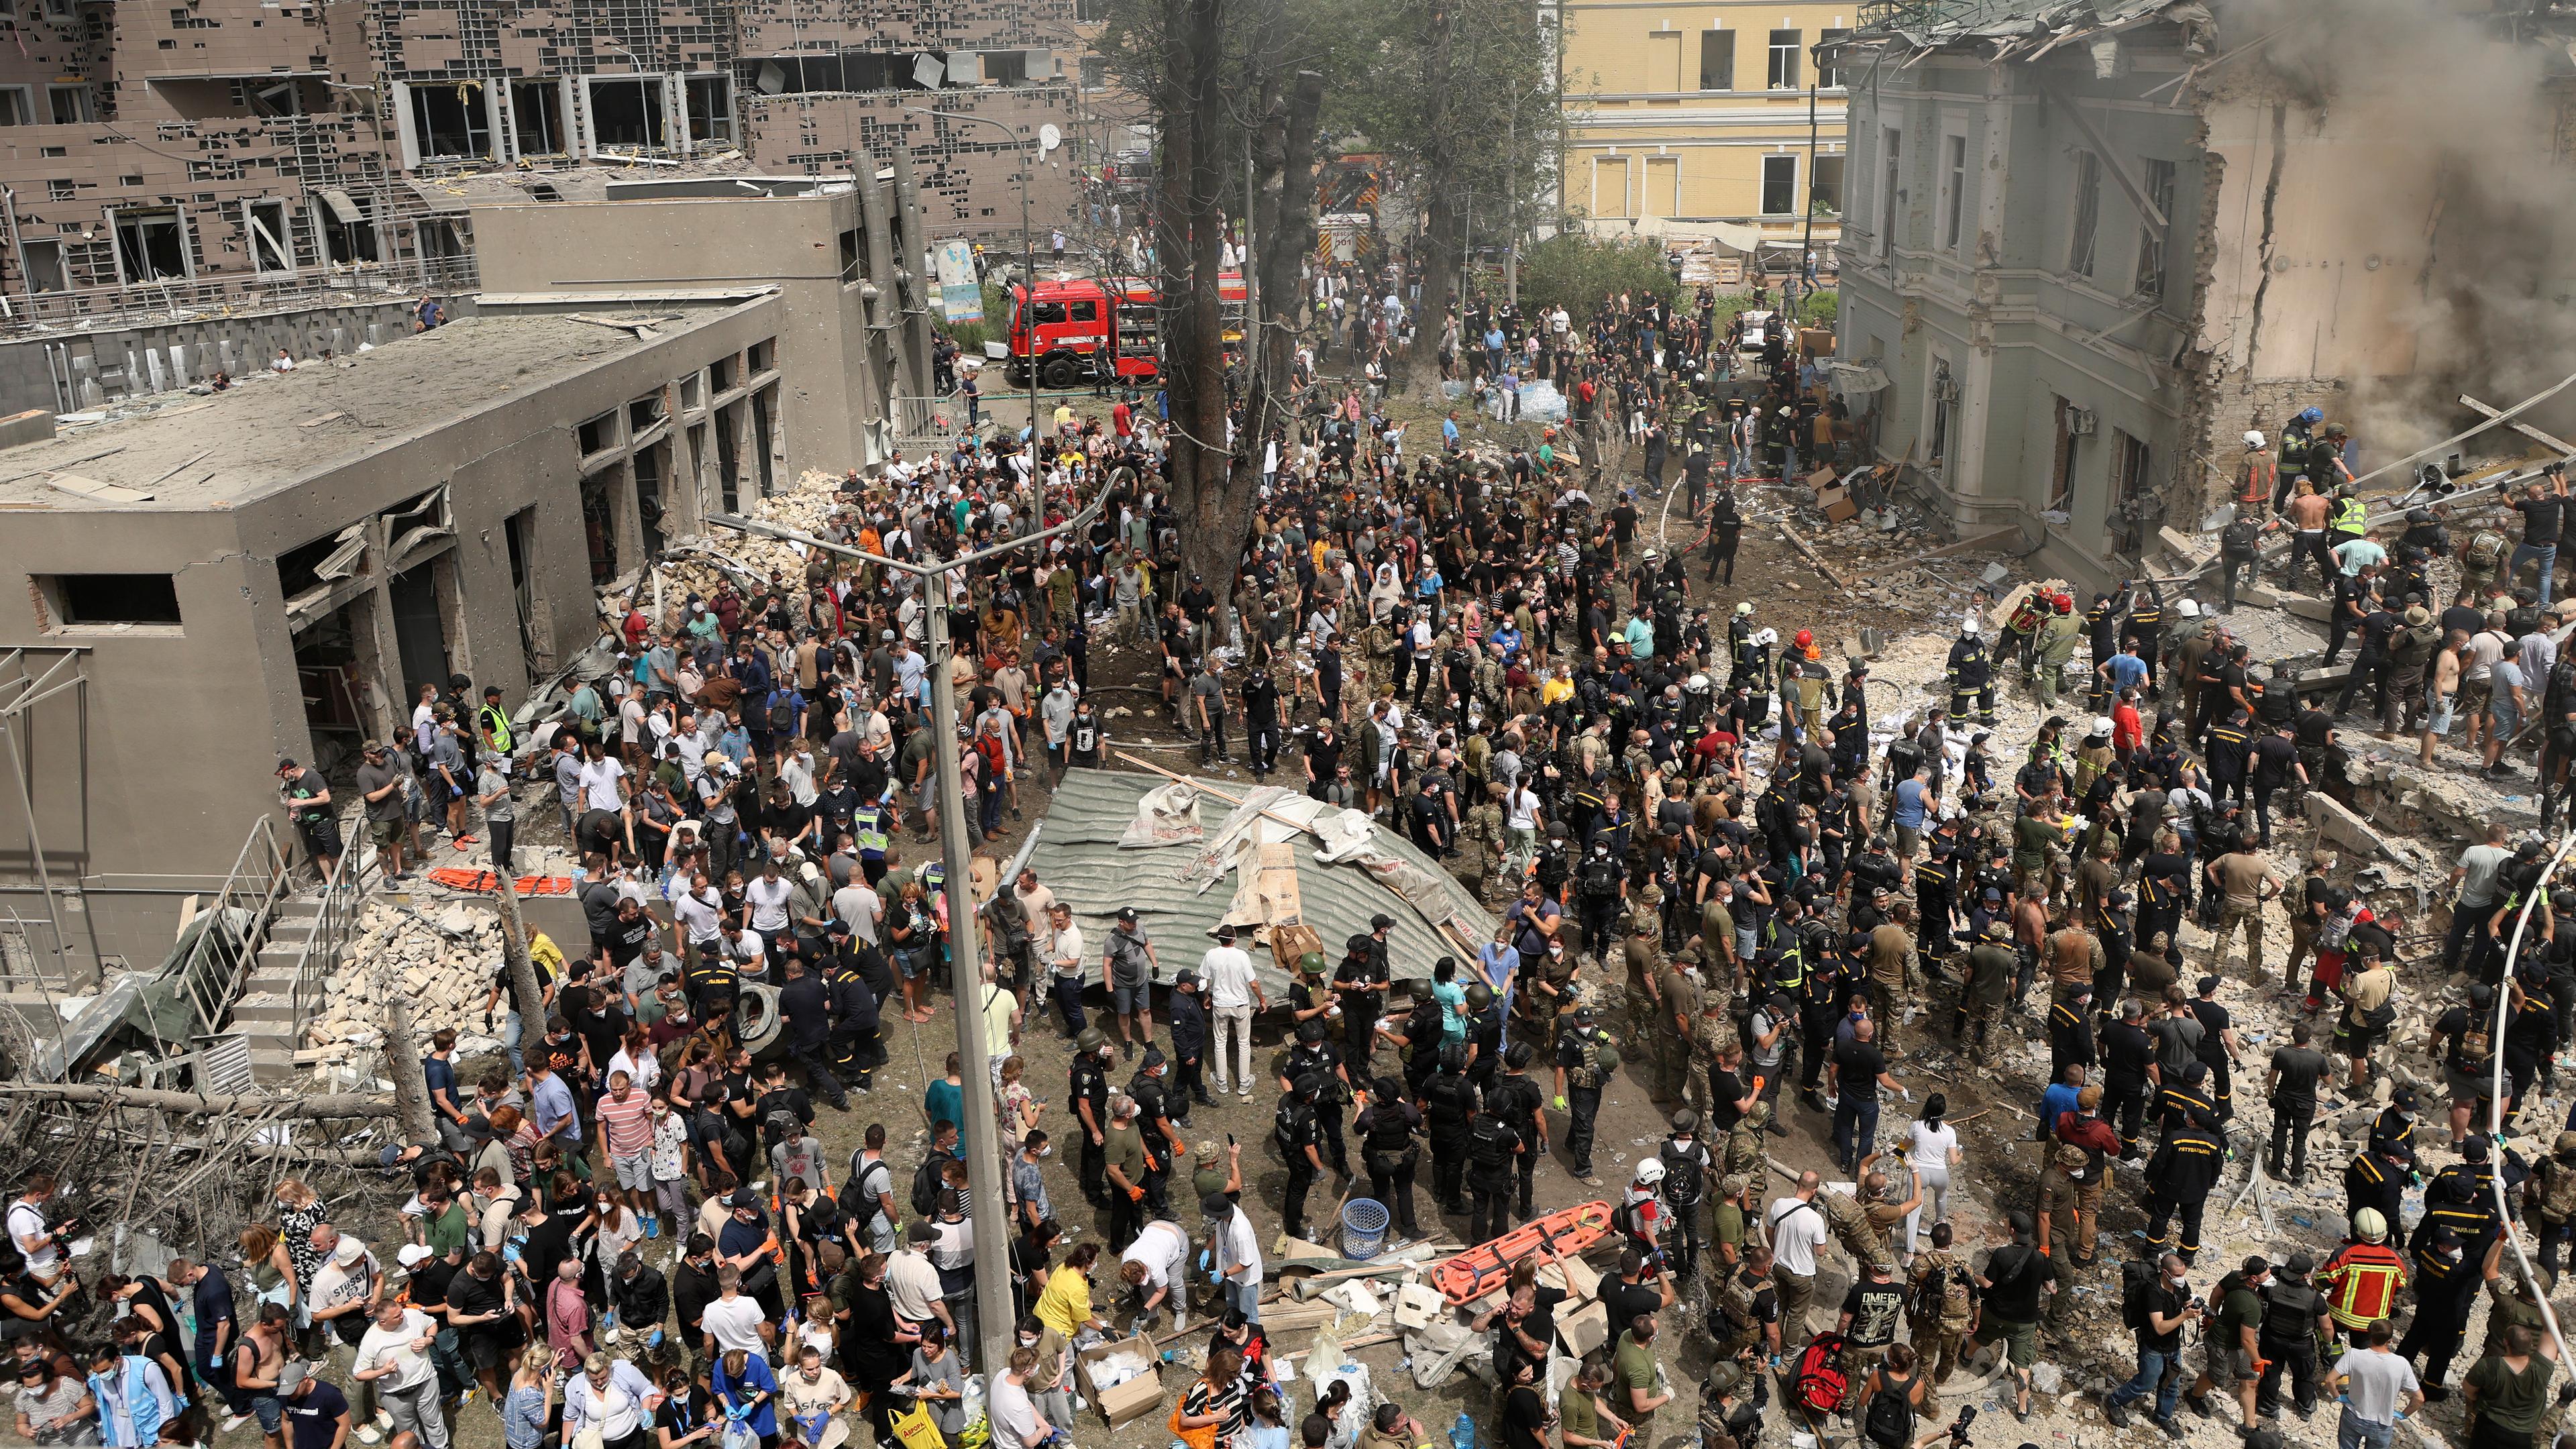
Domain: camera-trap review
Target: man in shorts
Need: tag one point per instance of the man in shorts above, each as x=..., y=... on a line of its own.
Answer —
x=2232, y=1340
x=2008, y=1307
x=1127, y=964
x=380, y=786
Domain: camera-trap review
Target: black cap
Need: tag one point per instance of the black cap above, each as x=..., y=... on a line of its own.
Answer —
x=1380, y=921
x=1126, y=913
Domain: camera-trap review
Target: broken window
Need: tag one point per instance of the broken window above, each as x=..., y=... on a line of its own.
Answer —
x=1784, y=60
x=17, y=106
x=626, y=113
x=854, y=257
x=2088, y=214
x=448, y=120
x=1829, y=74
x=348, y=233
x=1825, y=186
x=2151, y=238
x=642, y=414
x=710, y=110
x=536, y=118
x=272, y=247
x=720, y=374
x=284, y=98
x=1891, y=143
x=2062, y=460
x=77, y=599
x=599, y=526
x=762, y=356
x=648, y=499
x=597, y=435
x=61, y=188
x=45, y=267
x=1945, y=398
x=1954, y=189
x=1006, y=67
x=1779, y=185
x=1717, y=60
x=795, y=74
x=2128, y=468
x=151, y=246
x=71, y=104
x=728, y=461
x=761, y=403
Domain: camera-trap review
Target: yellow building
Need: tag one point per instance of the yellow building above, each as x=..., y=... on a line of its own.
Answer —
x=1697, y=111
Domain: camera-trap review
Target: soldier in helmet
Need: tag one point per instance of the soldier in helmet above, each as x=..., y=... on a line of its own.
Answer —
x=1585, y=1060
x=1484, y=1043
x=1293, y=1129
x=1688, y=1172
x=1677, y=1016
x=1493, y=1146
x=1386, y=1127
x=1314, y=1056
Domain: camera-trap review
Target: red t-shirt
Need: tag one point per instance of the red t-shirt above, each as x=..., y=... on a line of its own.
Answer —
x=1121, y=418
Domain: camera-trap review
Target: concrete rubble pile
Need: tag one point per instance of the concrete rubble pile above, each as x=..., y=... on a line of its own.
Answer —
x=694, y=566
x=442, y=964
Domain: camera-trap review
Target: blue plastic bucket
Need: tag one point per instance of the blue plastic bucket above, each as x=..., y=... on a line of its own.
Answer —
x=1363, y=1228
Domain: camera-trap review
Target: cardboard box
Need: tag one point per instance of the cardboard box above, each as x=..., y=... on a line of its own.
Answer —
x=1584, y=1331
x=1123, y=1403
x=1816, y=341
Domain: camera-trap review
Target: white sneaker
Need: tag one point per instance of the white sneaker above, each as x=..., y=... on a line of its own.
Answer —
x=371, y=1435
x=232, y=1421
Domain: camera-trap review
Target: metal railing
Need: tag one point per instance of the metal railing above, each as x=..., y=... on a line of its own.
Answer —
x=335, y=920
x=261, y=877
x=919, y=422
x=234, y=294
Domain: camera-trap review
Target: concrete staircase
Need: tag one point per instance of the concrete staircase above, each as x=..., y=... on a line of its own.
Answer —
x=265, y=1012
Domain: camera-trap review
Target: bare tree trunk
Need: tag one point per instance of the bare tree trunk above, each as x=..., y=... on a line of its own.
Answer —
x=1290, y=234
x=1439, y=148
x=1172, y=257
x=525, y=990
x=403, y=1064
x=1219, y=498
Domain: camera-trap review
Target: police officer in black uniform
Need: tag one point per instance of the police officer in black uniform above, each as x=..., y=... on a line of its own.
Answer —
x=855, y=1048
x=1519, y=1102
x=1492, y=1147
x=1448, y=1100
x=1294, y=1131
x=1386, y=1127
x=1314, y=1056
x=2180, y=1176
x=1090, y=1099
x=1152, y=1089
x=2127, y=1053
x=1484, y=1036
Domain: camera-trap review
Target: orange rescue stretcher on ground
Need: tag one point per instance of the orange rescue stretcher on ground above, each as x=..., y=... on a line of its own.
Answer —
x=457, y=879
x=1480, y=1270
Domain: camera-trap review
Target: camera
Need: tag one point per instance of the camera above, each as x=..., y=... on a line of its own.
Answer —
x=1959, y=1426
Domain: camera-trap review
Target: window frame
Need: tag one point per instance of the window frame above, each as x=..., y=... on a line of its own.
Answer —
x=1728, y=75
x=1763, y=196
x=1781, y=71
x=1954, y=190
x=2162, y=179
x=2084, y=227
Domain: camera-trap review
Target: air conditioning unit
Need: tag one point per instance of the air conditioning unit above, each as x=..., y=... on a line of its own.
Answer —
x=2079, y=422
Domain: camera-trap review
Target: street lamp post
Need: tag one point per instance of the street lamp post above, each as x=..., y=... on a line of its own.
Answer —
x=984, y=1152
x=1028, y=253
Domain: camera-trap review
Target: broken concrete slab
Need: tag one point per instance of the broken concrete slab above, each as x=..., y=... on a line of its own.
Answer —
x=2337, y=823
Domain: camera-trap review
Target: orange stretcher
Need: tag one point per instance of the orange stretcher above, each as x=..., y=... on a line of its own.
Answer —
x=483, y=880
x=1480, y=1270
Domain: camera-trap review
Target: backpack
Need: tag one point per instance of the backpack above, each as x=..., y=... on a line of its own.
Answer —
x=1685, y=1174
x=927, y=1184
x=2136, y=1280
x=1600, y=878
x=2486, y=547
x=782, y=712
x=858, y=1191
x=779, y=1123
x=2558, y=1197
x=1890, y=1420
x=2293, y=1306
x=2237, y=539
x=1821, y=1380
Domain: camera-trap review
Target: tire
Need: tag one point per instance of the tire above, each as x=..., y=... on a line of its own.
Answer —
x=1059, y=373
x=756, y=1022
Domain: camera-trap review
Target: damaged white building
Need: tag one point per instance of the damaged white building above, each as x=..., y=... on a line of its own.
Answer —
x=2090, y=244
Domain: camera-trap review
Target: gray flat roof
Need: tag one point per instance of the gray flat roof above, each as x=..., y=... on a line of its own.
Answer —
x=271, y=428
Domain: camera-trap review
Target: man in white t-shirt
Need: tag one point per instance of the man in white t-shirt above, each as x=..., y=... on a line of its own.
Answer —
x=601, y=787
x=767, y=895
x=1238, y=1254
x=29, y=1233
x=2377, y=1387
x=733, y=1321
x=1232, y=990
x=1797, y=1231
x=394, y=1357
x=1151, y=1268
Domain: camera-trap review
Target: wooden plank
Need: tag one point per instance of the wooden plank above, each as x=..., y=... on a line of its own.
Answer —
x=1832, y=574
x=2565, y=449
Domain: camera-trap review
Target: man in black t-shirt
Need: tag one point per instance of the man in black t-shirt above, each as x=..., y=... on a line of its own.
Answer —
x=2012, y=1283
x=1870, y=1314
x=1860, y=1069
x=2275, y=758
x=2541, y=513
x=2292, y=1088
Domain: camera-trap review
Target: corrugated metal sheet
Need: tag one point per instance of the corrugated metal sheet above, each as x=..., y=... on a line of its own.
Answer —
x=1078, y=858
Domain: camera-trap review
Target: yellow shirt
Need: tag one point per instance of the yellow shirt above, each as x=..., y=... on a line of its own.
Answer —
x=1555, y=690
x=545, y=954
x=1066, y=1303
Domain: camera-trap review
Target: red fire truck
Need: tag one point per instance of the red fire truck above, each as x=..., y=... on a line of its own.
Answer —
x=1079, y=331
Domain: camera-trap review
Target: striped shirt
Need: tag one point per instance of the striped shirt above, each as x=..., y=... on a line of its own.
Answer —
x=628, y=1125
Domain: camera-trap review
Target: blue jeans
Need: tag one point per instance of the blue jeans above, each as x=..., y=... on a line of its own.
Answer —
x=2152, y=1375
x=2356, y=1432
x=512, y=1030
x=2545, y=553
x=1855, y=1128
x=1246, y=1299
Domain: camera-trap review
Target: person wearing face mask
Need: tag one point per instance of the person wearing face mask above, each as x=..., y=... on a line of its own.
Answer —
x=2157, y=1311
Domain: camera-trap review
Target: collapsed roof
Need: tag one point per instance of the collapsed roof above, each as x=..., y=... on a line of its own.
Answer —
x=2022, y=29
x=1195, y=864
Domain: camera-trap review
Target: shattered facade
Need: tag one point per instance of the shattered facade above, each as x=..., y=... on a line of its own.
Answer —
x=231, y=146
x=2087, y=255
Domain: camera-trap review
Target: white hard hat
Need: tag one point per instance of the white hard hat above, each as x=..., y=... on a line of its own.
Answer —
x=2188, y=608
x=2253, y=439
x=2101, y=725
x=1744, y=606
x=1696, y=684
x=1766, y=637
x=1651, y=1170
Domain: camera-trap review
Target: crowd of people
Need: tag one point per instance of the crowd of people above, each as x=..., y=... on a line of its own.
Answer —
x=1715, y=867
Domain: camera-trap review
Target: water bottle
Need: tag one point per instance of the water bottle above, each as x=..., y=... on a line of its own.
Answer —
x=1462, y=1435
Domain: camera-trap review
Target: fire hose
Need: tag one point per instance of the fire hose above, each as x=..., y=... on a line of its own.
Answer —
x=2495, y=1105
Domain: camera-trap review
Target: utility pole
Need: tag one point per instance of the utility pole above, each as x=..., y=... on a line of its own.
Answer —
x=981, y=1130
x=1512, y=208
x=1028, y=258
x=1807, y=245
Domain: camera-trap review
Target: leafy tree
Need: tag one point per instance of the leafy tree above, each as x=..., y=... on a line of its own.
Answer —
x=1575, y=270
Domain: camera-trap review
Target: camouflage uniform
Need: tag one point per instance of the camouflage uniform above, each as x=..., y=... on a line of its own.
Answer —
x=1480, y=845
x=1643, y=953
x=1710, y=1032
x=1672, y=1045
x=1748, y=1148
x=2062, y=1204
x=1940, y=1337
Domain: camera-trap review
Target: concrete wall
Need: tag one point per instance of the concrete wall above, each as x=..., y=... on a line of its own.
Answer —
x=838, y=372
x=146, y=780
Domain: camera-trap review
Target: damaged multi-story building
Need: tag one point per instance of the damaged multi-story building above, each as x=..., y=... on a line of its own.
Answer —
x=209, y=151
x=2090, y=243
